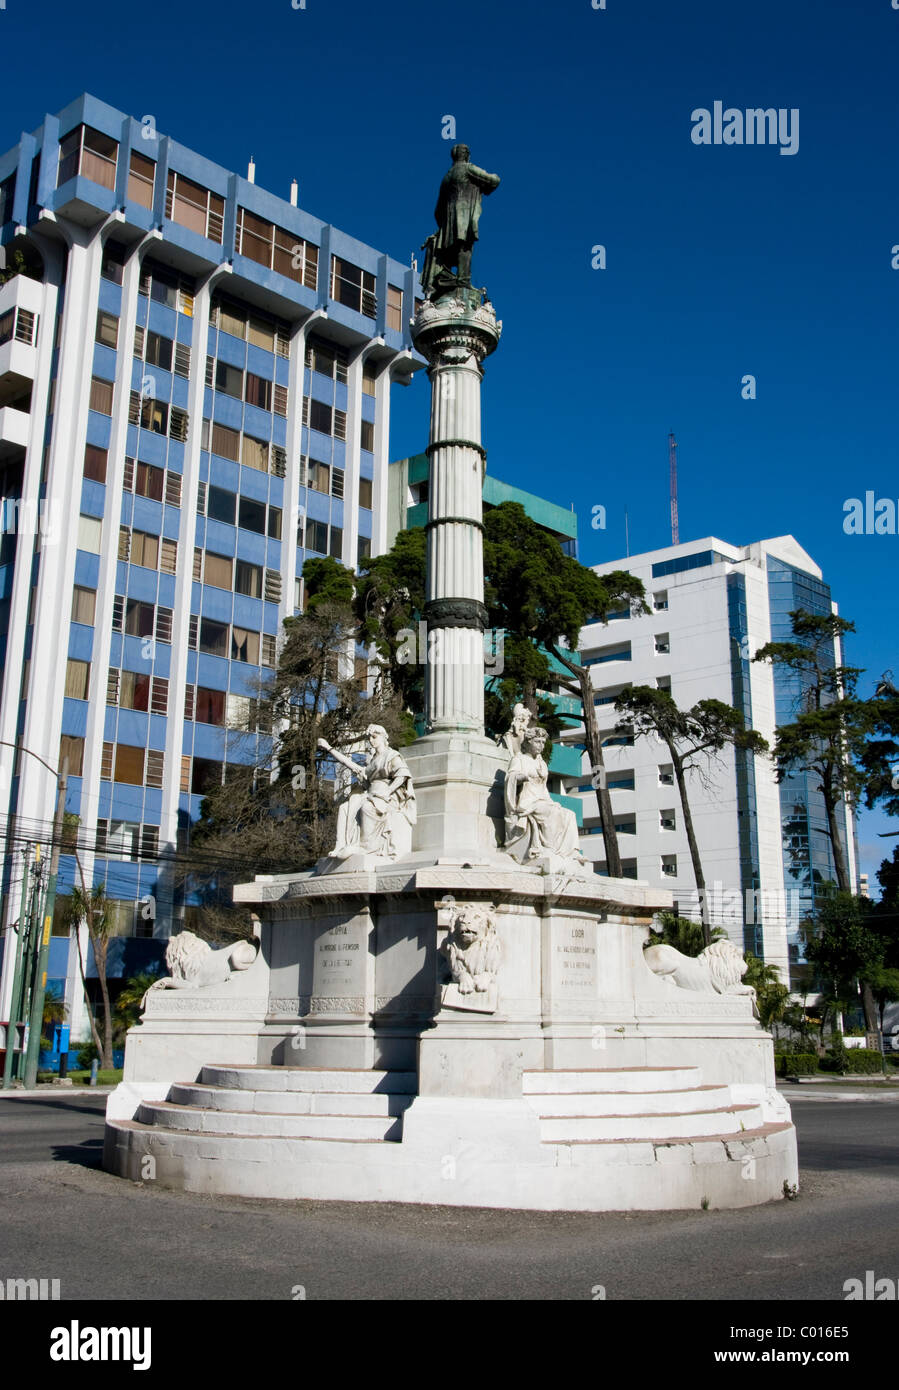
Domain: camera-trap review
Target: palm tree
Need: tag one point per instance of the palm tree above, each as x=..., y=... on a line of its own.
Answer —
x=128, y=1004
x=94, y=909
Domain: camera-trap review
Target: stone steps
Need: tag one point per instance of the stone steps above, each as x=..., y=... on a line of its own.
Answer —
x=267, y=1125
x=733, y=1121
x=371, y=1103
x=620, y=1079
x=337, y=1080
x=582, y=1103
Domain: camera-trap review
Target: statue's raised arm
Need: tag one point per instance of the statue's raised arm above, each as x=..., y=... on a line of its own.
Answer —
x=457, y=215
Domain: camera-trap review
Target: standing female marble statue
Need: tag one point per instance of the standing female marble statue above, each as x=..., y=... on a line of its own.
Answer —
x=378, y=817
x=535, y=824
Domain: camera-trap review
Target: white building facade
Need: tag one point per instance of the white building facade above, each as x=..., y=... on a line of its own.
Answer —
x=764, y=847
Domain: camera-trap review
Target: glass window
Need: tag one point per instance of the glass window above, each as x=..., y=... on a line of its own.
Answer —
x=217, y=570
x=319, y=476
x=320, y=417
x=101, y=395
x=205, y=773
x=78, y=676
x=90, y=531
x=83, y=605
x=261, y=333
x=317, y=537
x=368, y=435
x=209, y=706
x=149, y=481
x=225, y=442
x=90, y=153
x=354, y=287
x=134, y=690
x=113, y=263
x=336, y=544
x=221, y=504
x=141, y=178
x=159, y=351
x=254, y=453
x=213, y=637
x=365, y=492
x=394, y=308
x=251, y=515
x=138, y=618
x=258, y=391
x=154, y=416
x=73, y=749
x=195, y=207
x=248, y=579
x=245, y=645
x=107, y=329
x=129, y=764
x=144, y=550
x=274, y=523
x=230, y=380
x=95, y=463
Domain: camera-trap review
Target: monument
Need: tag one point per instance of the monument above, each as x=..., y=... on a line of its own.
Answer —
x=451, y=1007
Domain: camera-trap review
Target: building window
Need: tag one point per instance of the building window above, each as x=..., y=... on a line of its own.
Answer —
x=660, y=601
x=326, y=358
x=149, y=481
x=254, y=453
x=317, y=537
x=662, y=644
x=84, y=602
x=318, y=476
x=78, y=679
x=245, y=646
x=101, y=395
x=7, y=194
x=204, y=775
x=144, y=550
x=335, y=548
x=251, y=515
x=113, y=263
x=128, y=765
x=221, y=505
x=258, y=392
x=666, y=775
x=165, y=286
x=368, y=435
x=320, y=417
x=90, y=153
x=137, y=620
x=73, y=749
x=217, y=571
x=248, y=579
x=141, y=179
x=195, y=207
x=90, y=531
x=107, y=329
x=225, y=442
x=134, y=690
x=353, y=287
x=369, y=381
x=276, y=249
x=668, y=820
x=669, y=866
x=252, y=327
x=228, y=379
x=209, y=706
x=363, y=549
x=213, y=638
x=95, y=463
x=159, y=351
x=394, y=308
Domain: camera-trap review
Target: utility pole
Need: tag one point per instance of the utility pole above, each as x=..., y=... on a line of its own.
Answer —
x=672, y=472
x=40, y=984
x=18, y=979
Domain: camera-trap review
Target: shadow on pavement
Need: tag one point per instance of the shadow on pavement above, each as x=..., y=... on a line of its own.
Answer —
x=87, y=1154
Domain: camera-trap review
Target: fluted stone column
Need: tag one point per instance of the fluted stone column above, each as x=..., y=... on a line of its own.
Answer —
x=455, y=335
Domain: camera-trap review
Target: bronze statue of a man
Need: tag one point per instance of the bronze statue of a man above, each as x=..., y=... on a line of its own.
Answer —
x=457, y=215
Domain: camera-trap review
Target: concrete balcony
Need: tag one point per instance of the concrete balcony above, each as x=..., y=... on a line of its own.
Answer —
x=20, y=305
x=565, y=761
x=15, y=427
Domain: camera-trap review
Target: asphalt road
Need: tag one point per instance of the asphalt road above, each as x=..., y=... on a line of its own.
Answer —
x=103, y=1238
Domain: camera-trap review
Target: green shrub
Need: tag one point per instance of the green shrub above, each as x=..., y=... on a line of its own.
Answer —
x=796, y=1063
x=862, y=1061
x=86, y=1055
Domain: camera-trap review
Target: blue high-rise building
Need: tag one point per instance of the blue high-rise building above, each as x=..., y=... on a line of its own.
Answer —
x=194, y=397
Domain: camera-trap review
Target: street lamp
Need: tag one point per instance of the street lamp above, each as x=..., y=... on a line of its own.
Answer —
x=36, y=1019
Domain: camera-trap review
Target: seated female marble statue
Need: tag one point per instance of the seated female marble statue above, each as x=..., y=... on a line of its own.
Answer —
x=536, y=826
x=377, y=818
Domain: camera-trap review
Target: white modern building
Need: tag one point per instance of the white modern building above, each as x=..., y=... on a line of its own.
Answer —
x=763, y=845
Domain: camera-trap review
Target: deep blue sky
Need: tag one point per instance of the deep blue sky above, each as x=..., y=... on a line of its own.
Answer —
x=722, y=261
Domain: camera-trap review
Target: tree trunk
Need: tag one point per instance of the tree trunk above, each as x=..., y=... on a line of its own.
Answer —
x=869, y=1005
x=95, y=1036
x=839, y=858
x=678, y=766
x=593, y=741
x=100, y=949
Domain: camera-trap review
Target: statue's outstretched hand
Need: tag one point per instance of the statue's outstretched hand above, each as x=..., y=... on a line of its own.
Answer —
x=323, y=743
